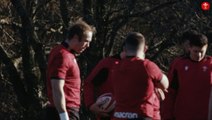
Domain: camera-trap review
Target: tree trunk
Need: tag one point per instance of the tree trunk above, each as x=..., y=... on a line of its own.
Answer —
x=15, y=79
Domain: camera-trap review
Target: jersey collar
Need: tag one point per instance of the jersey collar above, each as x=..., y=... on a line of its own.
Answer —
x=65, y=44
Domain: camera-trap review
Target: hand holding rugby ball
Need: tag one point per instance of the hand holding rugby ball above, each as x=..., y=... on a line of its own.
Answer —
x=106, y=102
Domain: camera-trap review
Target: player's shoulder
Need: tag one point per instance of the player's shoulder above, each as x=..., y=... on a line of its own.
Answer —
x=107, y=62
x=179, y=60
x=147, y=61
x=60, y=51
x=56, y=51
x=151, y=68
x=111, y=59
x=209, y=59
x=149, y=64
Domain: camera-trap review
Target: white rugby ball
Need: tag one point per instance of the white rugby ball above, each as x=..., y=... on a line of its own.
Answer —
x=106, y=102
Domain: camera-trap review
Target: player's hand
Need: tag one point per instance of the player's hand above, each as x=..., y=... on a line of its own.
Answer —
x=160, y=94
x=97, y=110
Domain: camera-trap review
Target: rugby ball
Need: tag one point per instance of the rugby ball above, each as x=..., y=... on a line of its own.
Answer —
x=106, y=102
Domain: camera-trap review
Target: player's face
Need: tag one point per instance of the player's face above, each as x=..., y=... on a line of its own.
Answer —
x=197, y=53
x=81, y=45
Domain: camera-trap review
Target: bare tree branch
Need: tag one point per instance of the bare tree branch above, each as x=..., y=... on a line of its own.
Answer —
x=27, y=29
x=141, y=14
x=10, y=23
x=27, y=35
x=64, y=15
x=117, y=25
x=114, y=32
x=14, y=78
x=165, y=45
x=87, y=8
x=40, y=5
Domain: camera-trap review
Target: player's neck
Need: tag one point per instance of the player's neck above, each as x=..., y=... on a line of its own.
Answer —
x=69, y=47
x=140, y=55
x=68, y=42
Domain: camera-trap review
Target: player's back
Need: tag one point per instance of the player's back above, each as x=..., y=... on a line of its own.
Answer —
x=133, y=87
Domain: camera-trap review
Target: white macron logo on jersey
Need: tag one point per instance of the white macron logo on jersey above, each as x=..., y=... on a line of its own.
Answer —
x=126, y=115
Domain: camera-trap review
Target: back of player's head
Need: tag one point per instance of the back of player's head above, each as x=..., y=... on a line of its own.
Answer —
x=187, y=36
x=133, y=41
x=198, y=40
x=79, y=29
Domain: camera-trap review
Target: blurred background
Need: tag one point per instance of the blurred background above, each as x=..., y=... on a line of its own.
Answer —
x=30, y=28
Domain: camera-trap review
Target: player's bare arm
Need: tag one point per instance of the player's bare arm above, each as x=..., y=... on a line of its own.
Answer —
x=160, y=94
x=164, y=83
x=58, y=95
x=59, y=98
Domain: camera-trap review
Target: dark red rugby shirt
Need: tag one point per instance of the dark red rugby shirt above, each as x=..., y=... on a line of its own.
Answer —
x=133, y=81
x=190, y=83
x=99, y=80
x=62, y=65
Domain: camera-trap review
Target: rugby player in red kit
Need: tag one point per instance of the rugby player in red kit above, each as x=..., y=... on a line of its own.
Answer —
x=134, y=80
x=190, y=80
x=63, y=75
x=99, y=82
x=184, y=45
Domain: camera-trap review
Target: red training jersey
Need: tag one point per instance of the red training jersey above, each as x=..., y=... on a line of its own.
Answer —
x=167, y=106
x=99, y=80
x=190, y=83
x=134, y=83
x=156, y=105
x=62, y=65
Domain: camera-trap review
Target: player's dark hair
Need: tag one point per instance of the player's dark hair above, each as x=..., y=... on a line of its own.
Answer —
x=198, y=40
x=79, y=29
x=133, y=40
x=187, y=36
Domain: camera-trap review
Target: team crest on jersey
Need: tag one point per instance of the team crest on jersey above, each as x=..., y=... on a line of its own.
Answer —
x=204, y=68
x=186, y=68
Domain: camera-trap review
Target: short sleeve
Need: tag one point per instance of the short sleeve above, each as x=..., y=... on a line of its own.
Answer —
x=59, y=67
x=154, y=71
